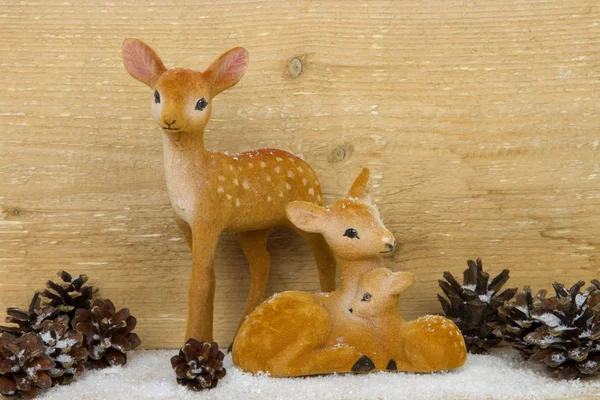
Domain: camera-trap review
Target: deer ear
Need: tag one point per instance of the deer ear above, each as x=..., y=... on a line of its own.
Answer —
x=142, y=62
x=228, y=69
x=307, y=216
x=400, y=282
x=362, y=187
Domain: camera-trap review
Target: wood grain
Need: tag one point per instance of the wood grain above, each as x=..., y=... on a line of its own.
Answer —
x=479, y=120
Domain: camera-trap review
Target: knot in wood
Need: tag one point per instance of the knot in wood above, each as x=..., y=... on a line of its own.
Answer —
x=337, y=155
x=295, y=66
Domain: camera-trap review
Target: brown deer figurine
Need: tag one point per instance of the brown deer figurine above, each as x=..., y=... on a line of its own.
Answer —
x=213, y=192
x=356, y=328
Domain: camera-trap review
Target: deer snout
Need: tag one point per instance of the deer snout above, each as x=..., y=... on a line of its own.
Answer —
x=389, y=244
x=170, y=124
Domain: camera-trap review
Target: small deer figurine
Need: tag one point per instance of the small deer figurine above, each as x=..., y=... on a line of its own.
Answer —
x=212, y=192
x=356, y=328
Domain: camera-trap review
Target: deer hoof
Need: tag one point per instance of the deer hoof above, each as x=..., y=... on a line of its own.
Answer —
x=392, y=366
x=364, y=364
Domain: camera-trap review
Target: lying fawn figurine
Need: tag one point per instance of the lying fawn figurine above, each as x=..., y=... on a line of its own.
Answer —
x=212, y=192
x=357, y=327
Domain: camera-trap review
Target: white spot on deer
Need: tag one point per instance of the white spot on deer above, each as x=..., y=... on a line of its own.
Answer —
x=231, y=167
x=250, y=165
x=319, y=197
x=237, y=202
x=268, y=178
x=290, y=174
x=279, y=159
x=280, y=194
x=300, y=169
x=245, y=184
x=317, y=183
x=277, y=169
x=304, y=181
x=220, y=189
x=269, y=198
x=311, y=191
x=236, y=182
x=240, y=167
x=451, y=333
x=288, y=186
x=228, y=196
x=221, y=178
x=263, y=164
x=291, y=159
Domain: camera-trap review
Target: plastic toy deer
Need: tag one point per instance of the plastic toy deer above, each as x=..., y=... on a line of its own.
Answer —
x=357, y=327
x=212, y=192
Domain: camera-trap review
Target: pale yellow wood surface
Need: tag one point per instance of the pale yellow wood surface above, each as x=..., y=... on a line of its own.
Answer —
x=479, y=120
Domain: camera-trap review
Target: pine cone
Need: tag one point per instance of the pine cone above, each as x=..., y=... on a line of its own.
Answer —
x=31, y=320
x=73, y=293
x=64, y=346
x=199, y=365
x=473, y=306
x=23, y=365
x=561, y=332
x=107, y=334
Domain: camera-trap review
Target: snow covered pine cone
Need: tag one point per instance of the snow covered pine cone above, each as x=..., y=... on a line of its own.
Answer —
x=71, y=292
x=473, y=305
x=31, y=320
x=64, y=346
x=199, y=365
x=24, y=365
x=561, y=332
x=107, y=333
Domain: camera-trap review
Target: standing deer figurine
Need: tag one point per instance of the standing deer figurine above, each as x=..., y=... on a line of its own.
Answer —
x=356, y=328
x=212, y=192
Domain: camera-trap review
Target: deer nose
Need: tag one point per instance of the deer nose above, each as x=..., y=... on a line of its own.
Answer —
x=169, y=123
x=350, y=310
x=390, y=246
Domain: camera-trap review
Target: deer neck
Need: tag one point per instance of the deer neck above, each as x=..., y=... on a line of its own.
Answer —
x=388, y=325
x=184, y=150
x=184, y=144
x=352, y=270
x=186, y=162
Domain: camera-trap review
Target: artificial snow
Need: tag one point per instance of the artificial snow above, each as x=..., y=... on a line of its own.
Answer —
x=501, y=375
x=486, y=298
x=549, y=319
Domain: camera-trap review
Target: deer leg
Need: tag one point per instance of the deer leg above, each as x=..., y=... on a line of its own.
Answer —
x=254, y=244
x=323, y=257
x=341, y=359
x=186, y=229
x=201, y=294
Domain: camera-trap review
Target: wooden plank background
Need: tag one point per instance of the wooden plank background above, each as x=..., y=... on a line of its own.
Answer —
x=479, y=120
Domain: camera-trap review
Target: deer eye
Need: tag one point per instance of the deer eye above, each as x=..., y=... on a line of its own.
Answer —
x=366, y=297
x=156, y=97
x=351, y=233
x=201, y=104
